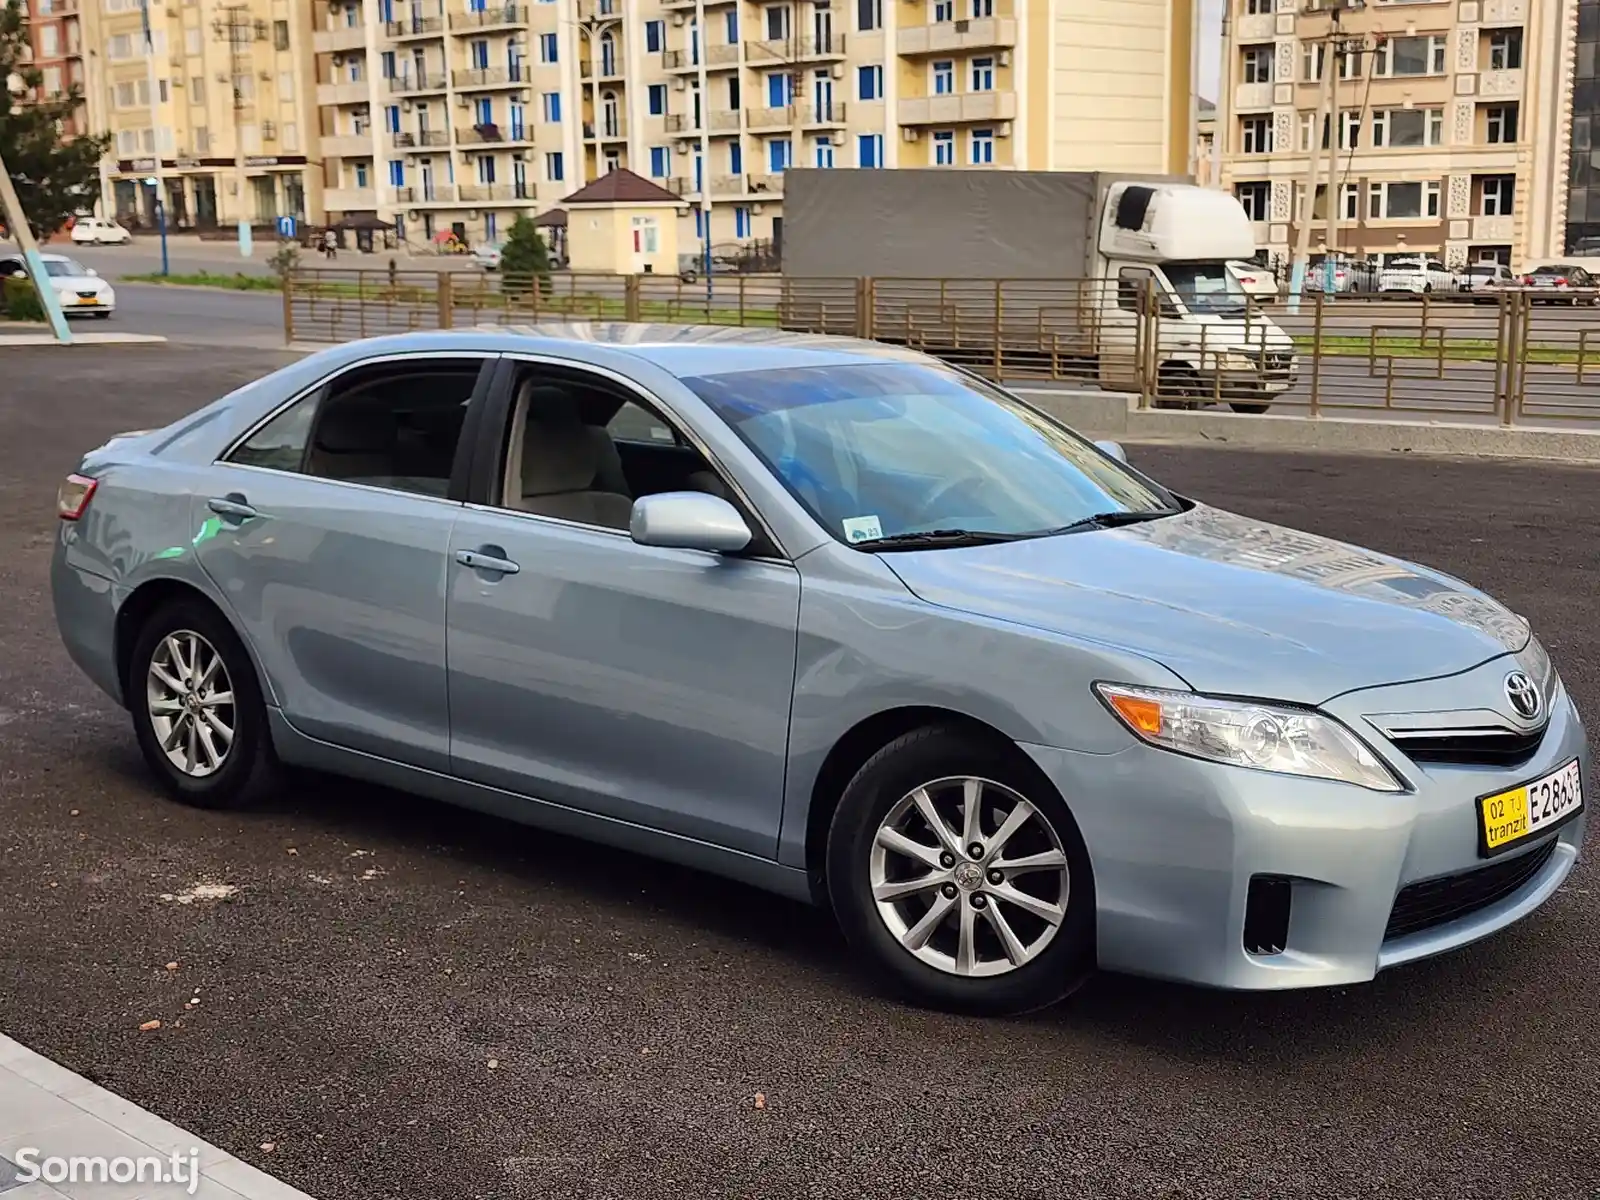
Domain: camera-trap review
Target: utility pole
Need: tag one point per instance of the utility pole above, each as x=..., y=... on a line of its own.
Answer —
x=701, y=47
x=1335, y=56
x=235, y=26
x=152, y=82
x=17, y=222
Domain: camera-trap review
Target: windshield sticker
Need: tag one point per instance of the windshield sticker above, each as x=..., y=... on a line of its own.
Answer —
x=860, y=529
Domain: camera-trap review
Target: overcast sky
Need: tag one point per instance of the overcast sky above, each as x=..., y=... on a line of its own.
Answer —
x=1210, y=47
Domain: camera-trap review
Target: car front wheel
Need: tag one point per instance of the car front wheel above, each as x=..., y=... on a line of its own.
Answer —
x=197, y=709
x=959, y=875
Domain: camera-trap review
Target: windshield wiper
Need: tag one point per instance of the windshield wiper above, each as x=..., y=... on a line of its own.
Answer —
x=1110, y=520
x=930, y=538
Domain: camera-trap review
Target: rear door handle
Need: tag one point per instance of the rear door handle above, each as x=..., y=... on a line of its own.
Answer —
x=480, y=561
x=231, y=506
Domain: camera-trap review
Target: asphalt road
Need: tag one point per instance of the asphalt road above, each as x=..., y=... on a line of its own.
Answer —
x=380, y=950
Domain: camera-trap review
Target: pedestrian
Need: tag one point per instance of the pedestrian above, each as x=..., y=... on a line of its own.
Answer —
x=330, y=244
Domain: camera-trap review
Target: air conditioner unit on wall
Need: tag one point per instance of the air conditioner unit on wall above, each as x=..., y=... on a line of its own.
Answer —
x=677, y=18
x=679, y=84
x=907, y=134
x=838, y=70
x=1004, y=130
x=840, y=139
x=1003, y=58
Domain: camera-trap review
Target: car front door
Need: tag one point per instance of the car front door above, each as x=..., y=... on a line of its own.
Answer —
x=639, y=683
x=327, y=529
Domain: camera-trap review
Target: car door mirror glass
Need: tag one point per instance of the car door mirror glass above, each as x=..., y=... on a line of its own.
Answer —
x=688, y=521
x=92, y=273
x=1113, y=449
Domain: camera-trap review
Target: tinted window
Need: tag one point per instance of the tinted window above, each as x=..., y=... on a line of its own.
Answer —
x=64, y=268
x=634, y=424
x=390, y=427
x=886, y=448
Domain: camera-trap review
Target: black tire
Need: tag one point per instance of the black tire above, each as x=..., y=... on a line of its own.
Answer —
x=914, y=760
x=250, y=770
x=1242, y=407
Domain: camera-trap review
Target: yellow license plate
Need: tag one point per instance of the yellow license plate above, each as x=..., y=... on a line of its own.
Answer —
x=90, y=301
x=1509, y=817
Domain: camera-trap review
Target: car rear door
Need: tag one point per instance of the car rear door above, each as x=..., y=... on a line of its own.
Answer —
x=645, y=684
x=327, y=530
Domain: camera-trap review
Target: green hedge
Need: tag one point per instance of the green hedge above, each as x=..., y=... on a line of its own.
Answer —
x=20, y=301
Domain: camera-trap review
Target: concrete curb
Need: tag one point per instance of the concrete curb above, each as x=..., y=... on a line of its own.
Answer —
x=1115, y=415
x=44, y=337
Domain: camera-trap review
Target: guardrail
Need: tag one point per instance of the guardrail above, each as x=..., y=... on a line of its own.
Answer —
x=1512, y=357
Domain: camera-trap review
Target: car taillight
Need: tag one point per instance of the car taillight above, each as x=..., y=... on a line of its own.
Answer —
x=1528, y=279
x=73, y=496
x=1561, y=281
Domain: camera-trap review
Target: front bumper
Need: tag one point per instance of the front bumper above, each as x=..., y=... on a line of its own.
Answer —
x=1175, y=843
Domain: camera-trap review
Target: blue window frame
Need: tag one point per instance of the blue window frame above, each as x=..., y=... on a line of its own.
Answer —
x=549, y=48
x=660, y=162
x=397, y=173
x=735, y=159
x=554, y=168
x=869, y=150
x=733, y=27
x=944, y=77
x=741, y=222
x=655, y=36
x=485, y=111
x=391, y=118
x=480, y=55
x=552, y=107
x=778, y=90
x=779, y=155
x=869, y=83
x=658, y=99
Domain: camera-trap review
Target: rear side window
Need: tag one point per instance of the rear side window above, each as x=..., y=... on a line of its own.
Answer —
x=395, y=427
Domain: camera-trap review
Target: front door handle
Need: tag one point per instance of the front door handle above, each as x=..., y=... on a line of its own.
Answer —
x=231, y=506
x=480, y=560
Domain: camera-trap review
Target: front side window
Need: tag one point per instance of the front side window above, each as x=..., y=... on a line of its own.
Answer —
x=1205, y=287
x=879, y=449
x=390, y=427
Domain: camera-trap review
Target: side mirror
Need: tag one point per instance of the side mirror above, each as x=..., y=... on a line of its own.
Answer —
x=688, y=521
x=93, y=274
x=1113, y=450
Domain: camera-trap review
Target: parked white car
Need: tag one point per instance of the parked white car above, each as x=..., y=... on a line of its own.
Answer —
x=487, y=256
x=80, y=290
x=98, y=231
x=1258, y=282
x=1487, y=279
x=1416, y=275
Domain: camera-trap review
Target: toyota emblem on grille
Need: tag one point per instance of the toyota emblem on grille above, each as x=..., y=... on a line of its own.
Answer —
x=1523, y=695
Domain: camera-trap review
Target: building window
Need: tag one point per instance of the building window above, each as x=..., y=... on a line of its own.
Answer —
x=549, y=48
x=1408, y=127
x=1255, y=135
x=280, y=35
x=191, y=41
x=741, y=221
x=944, y=77
x=1505, y=50
x=485, y=168
x=1403, y=201
x=944, y=10
x=397, y=173
x=491, y=226
x=779, y=155
x=655, y=36
x=1258, y=8
x=1499, y=195
x=777, y=19
x=982, y=148
x=361, y=175
x=1349, y=201
x=869, y=14
x=869, y=83
x=550, y=102
x=660, y=161
x=1255, y=197
x=1256, y=64
x=944, y=148
x=1313, y=56
x=983, y=74
x=869, y=150
x=1410, y=56
x=982, y=8
x=1501, y=125
x=554, y=169
x=822, y=154
x=779, y=89
x=656, y=97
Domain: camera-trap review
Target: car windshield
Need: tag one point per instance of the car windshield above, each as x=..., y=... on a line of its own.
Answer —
x=875, y=450
x=1405, y=264
x=64, y=267
x=1205, y=287
x=1554, y=271
x=1479, y=269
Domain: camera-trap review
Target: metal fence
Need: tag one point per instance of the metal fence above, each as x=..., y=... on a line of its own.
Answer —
x=1512, y=356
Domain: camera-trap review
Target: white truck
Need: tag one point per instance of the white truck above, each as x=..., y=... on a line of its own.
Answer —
x=1118, y=280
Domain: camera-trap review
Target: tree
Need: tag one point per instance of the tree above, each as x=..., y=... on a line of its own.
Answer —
x=54, y=178
x=524, y=258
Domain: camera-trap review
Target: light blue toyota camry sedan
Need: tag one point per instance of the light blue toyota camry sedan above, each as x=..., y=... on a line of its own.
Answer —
x=839, y=621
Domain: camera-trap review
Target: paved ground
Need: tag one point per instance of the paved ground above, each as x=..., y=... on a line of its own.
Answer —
x=380, y=950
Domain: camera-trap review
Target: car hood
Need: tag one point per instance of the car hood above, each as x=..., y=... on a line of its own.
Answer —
x=77, y=283
x=1234, y=606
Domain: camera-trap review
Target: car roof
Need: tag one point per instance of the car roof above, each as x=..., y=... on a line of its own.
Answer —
x=681, y=350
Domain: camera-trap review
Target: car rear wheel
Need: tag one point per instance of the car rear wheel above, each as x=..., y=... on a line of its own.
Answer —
x=959, y=875
x=197, y=709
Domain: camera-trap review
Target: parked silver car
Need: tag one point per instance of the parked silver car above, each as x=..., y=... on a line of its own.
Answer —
x=839, y=621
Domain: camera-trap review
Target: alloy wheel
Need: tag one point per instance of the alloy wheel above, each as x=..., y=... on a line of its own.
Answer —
x=969, y=876
x=190, y=700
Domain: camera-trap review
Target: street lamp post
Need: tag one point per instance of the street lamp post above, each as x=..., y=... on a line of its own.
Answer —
x=161, y=220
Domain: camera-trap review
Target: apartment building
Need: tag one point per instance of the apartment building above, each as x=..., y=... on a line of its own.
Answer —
x=456, y=115
x=56, y=34
x=1447, y=120
x=1580, y=223
x=173, y=114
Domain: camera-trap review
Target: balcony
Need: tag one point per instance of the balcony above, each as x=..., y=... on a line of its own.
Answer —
x=724, y=120
x=811, y=115
x=944, y=37
x=962, y=107
x=770, y=118
x=494, y=135
x=600, y=70
x=1254, y=27
x=767, y=185
x=329, y=94
x=590, y=11
x=350, y=199
x=496, y=16
x=422, y=139
x=1252, y=95
x=1500, y=85
x=493, y=193
x=1492, y=229
x=686, y=5
x=608, y=131
x=800, y=49
x=337, y=41
x=680, y=185
x=721, y=57
x=481, y=79
x=414, y=27
x=1505, y=12
x=412, y=85
x=727, y=185
x=347, y=145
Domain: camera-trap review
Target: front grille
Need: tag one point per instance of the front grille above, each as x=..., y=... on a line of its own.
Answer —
x=1469, y=747
x=87, y=295
x=1440, y=901
x=1266, y=914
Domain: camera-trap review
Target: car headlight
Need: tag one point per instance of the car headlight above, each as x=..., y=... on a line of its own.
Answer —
x=1246, y=733
x=1534, y=659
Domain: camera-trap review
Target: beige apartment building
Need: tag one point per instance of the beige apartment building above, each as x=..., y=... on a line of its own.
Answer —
x=454, y=116
x=173, y=115
x=1451, y=122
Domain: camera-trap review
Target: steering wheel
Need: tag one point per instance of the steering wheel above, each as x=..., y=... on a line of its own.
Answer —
x=930, y=502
